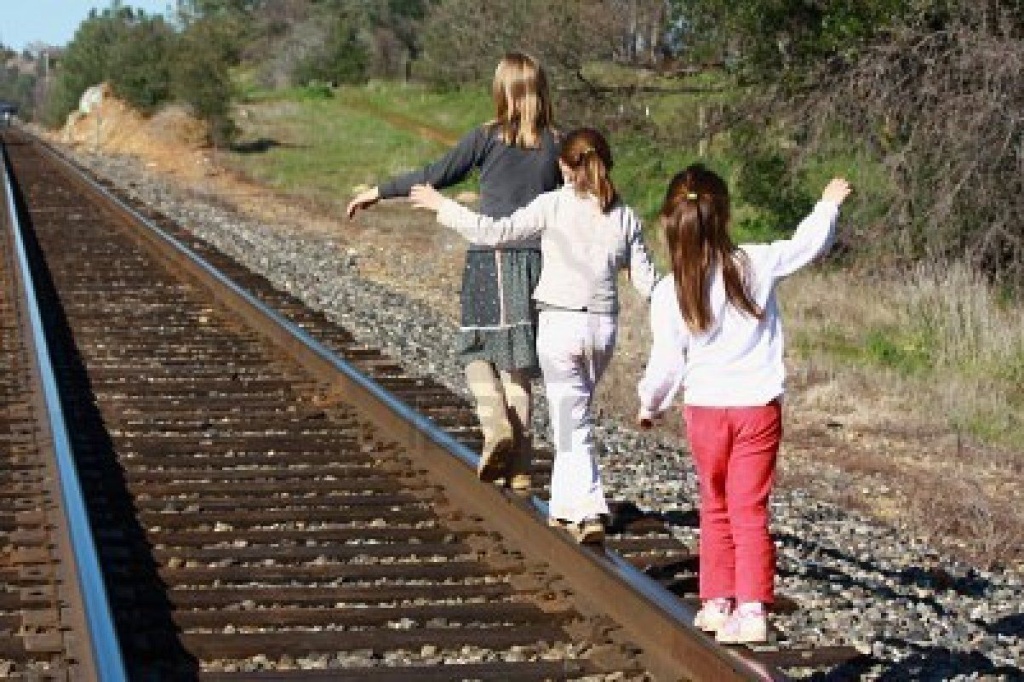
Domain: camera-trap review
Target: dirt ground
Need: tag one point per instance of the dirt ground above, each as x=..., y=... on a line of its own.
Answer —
x=910, y=475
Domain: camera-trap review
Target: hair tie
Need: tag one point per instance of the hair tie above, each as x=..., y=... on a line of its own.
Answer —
x=692, y=196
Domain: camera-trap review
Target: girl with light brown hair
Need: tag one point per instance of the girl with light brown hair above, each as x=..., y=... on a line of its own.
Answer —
x=516, y=156
x=586, y=236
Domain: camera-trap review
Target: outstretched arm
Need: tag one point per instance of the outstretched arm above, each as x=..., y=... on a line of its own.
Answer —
x=451, y=168
x=814, y=234
x=526, y=223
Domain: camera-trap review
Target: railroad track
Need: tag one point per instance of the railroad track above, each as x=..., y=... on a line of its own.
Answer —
x=270, y=499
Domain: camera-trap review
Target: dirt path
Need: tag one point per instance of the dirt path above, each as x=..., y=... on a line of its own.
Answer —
x=426, y=131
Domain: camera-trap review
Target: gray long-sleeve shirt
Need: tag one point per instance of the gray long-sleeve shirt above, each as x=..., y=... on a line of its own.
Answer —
x=510, y=177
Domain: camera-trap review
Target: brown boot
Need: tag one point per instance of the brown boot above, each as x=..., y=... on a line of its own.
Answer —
x=520, y=466
x=496, y=451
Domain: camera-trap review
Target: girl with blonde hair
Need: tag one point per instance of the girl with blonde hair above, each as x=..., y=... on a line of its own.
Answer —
x=516, y=155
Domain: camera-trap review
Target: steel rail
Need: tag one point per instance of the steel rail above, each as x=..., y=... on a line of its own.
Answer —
x=650, y=615
x=106, y=663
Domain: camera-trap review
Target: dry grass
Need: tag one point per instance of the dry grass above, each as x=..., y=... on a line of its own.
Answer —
x=898, y=391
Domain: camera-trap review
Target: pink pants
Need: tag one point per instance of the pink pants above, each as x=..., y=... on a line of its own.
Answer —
x=734, y=449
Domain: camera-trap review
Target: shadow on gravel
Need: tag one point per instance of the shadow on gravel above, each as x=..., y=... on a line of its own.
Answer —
x=625, y=516
x=937, y=579
x=261, y=146
x=1008, y=626
x=926, y=664
x=936, y=663
x=684, y=519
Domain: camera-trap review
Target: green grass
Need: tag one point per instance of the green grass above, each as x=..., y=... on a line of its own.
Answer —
x=323, y=148
x=362, y=135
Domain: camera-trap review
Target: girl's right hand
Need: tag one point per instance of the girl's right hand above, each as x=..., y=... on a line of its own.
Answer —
x=836, y=191
x=364, y=199
x=425, y=196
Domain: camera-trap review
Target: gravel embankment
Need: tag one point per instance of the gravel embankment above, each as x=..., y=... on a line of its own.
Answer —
x=920, y=615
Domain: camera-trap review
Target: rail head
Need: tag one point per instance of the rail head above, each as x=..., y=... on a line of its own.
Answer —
x=652, y=617
x=102, y=657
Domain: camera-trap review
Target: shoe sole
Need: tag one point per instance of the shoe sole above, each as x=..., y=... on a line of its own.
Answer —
x=584, y=537
x=708, y=627
x=760, y=638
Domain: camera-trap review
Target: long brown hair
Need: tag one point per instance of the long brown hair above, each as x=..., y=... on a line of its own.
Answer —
x=587, y=153
x=522, y=104
x=695, y=217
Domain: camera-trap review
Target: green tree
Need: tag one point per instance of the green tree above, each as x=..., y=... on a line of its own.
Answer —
x=774, y=40
x=16, y=86
x=120, y=46
x=139, y=64
x=341, y=58
x=201, y=75
x=86, y=60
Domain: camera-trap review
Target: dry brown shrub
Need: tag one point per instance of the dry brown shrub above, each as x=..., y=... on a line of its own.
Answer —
x=942, y=108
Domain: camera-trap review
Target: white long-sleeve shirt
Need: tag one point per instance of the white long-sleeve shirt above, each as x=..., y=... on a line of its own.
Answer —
x=738, y=362
x=583, y=248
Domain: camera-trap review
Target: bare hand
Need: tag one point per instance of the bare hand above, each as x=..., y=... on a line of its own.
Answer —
x=836, y=191
x=425, y=196
x=364, y=199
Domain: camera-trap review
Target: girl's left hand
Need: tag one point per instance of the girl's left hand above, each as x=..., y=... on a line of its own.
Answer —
x=425, y=196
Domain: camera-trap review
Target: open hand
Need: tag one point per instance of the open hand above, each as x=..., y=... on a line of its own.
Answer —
x=836, y=191
x=425, y=196
x=364, y=199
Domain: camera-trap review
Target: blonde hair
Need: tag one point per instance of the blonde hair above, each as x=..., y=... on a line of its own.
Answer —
x=522, y=104
x=695, y=217
x=587, y=153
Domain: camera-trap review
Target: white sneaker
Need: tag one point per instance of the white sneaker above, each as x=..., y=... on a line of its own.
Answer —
x=712, y=615
x=747, y=625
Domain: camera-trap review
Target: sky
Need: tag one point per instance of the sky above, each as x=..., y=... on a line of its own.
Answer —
x=54, y=22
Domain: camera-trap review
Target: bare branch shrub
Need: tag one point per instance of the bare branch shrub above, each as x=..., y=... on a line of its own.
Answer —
x=962, y=515
x=464, y=39
x=943, y=110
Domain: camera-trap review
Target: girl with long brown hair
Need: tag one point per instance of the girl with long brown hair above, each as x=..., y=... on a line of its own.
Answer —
x=586, y=236
x=515, y=154
x=718, y=335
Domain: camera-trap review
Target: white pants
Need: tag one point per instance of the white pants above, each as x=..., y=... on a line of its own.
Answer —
x=574, y=349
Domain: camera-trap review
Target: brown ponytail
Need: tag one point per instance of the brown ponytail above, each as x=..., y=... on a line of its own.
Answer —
x=695, y=217
x=587, y=153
